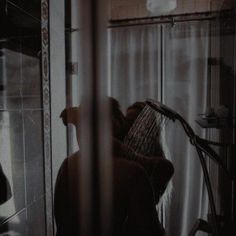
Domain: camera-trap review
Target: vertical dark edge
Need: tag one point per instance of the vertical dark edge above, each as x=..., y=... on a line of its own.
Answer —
x=234, y=123
x=234, y=69
x=208, y=133
x=68, y=63
x=93, y=217
x=209, y=71
x=162, y=74
x=96, y=204
x=46, y=118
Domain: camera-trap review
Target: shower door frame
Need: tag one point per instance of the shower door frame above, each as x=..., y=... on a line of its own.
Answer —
x=46, y=116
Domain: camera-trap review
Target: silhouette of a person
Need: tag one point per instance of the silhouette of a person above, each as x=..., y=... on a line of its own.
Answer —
x=134, y=210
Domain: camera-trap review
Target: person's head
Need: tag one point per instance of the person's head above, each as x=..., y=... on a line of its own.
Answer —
x=117, y=118
x=72, y=115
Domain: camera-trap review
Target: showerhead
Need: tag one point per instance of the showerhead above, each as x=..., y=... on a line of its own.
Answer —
x=199, y=143
x=202, y=147
x=162, y=109
x=171, y=115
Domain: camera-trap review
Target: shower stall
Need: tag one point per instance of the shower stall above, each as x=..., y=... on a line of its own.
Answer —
x=56, y=54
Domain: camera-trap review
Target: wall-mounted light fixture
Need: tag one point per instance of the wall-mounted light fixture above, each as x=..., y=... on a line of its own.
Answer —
x=161, y=6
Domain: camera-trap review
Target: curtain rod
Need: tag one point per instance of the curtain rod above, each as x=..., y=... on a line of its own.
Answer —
x=172, y=19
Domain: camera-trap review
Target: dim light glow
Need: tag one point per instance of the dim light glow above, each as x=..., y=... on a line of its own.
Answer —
x=161, y=6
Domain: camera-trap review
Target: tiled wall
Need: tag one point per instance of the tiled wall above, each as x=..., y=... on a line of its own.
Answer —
x=122, y=9
x=21, y=146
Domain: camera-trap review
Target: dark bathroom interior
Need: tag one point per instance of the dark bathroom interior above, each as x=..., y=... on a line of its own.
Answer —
x=54, y=54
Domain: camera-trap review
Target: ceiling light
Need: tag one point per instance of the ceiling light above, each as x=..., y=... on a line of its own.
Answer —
x=161, y=6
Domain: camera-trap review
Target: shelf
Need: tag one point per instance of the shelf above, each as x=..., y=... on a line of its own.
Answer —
x=212, y=123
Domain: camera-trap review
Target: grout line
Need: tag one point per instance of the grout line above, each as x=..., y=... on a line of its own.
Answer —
x=23, y=129
x=12, y=216
x=23, y=11
x=27, y=109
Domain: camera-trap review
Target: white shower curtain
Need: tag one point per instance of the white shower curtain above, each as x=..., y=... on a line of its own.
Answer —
x=177, y=74
x=134, y=63
x=186, y=52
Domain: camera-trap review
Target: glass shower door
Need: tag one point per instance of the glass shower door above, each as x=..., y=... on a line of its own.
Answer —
x=22, y=212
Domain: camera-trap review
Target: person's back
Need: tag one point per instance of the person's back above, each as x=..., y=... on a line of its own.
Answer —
x=134, y=211
x=133, y=204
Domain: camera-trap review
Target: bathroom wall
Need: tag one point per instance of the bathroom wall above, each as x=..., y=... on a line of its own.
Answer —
x=123, y=9
x=228, y=98
x=21, y=136
x=57, y=83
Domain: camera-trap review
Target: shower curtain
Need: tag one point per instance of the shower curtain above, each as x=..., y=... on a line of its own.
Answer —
x=167, y=63
x=134, y=63
x=186, y=52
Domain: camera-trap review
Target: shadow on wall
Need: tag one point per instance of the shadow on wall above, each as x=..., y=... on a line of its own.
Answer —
x=5, y=188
